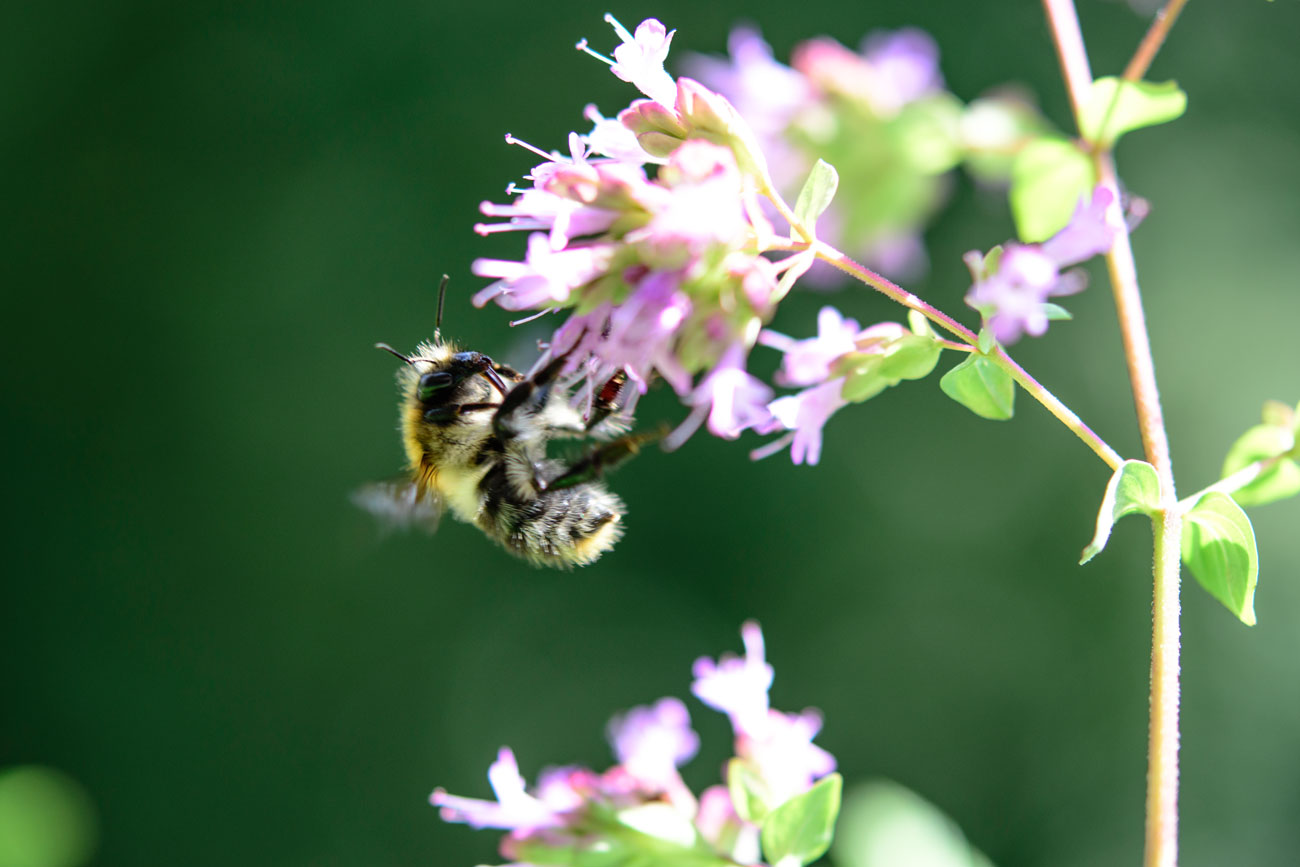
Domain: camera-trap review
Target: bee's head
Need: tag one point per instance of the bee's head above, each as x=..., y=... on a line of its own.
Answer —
x=442, y=387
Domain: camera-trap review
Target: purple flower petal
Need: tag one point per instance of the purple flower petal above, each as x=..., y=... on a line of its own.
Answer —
x=806, y=413
x=513, y=809
x=652, y=742
x=737, y=686
x=1086, y=235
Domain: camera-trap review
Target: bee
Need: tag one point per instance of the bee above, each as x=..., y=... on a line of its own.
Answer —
x=475, y=434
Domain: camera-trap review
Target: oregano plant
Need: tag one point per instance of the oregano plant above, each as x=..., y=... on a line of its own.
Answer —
x=665, y=238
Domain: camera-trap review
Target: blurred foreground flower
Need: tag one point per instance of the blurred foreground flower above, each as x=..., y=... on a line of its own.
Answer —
x=883, y=118
x=779, y=802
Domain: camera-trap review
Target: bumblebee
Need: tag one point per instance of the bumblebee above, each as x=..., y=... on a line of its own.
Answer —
x=476, y=433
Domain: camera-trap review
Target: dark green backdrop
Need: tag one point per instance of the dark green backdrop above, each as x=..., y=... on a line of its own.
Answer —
x=216, y=208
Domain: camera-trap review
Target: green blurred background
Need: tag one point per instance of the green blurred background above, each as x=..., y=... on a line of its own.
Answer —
x=215, y=210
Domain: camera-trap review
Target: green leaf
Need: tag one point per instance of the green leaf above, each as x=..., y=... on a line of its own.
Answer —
x=982, y=387
x=863, y=385
x=747, y=791
x=867, y=374
x=986, y=342
x=1278, y=414
x=1280, y=481
x=801, y=829
x=888, y=825
x=1056, y=311
x=1134, y=487
x=1114, y=106
x=816, y=195
x=910, y=357
x=920, y=325
x=46, y=818
x=1048, y=178
x=1219, y=548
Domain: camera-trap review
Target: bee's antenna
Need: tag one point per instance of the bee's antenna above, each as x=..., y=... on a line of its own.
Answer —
x=437, y=320
x=387, y=348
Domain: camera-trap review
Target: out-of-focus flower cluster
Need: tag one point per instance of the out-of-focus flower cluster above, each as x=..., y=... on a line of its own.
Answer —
x=640, y=811
x=882, y=116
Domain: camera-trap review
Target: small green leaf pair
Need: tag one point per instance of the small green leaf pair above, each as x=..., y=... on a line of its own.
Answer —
x=799, y=831
x=1218, y=542
x=911, y=356
x=795, y=832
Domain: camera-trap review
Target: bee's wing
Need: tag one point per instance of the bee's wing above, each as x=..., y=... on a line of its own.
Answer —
x=399, y=505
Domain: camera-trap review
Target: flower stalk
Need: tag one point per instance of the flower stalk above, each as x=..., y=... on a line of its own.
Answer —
x=1162, y=760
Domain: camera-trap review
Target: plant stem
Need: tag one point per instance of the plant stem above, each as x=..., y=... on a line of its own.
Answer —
x=1062, y=412
x=1146, y=51
x=1035, y=389
x=1162, y=758
x=1234, y=482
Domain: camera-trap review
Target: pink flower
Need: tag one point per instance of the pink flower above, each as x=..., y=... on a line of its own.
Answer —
x=729, y=397
x=1013, y=299
x=1086, y=235
x=809, y=361
x=766, y=93
x=652, y=742
x=611, y=138
x=737, y=686
x=722, y=828
x=641, y=330
x=640, y=59
x=546, y=276
x=892, y=69
x=784, y=755
x=514, y=808
x=704, y=209
x=906, y=63
x=805, y=413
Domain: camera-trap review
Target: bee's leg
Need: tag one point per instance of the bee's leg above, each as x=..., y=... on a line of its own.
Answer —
x=445, y=414
x=604, y=457
x=527, y=396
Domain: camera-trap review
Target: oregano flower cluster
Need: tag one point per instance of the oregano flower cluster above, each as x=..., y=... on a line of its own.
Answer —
x=640, y=811
x=656, y=232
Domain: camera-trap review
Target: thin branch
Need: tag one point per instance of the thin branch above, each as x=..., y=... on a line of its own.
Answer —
x=1035, y=389
x=1146, y=51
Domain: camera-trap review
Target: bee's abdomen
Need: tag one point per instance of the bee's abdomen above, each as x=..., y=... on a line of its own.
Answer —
x=566, y=527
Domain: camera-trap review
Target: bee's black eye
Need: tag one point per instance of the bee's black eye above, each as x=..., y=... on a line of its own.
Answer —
x=432, y=382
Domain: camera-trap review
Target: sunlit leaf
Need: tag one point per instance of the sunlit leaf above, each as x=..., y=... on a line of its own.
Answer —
x=801, y=828
x=1114, y=106
x=747, y=791
x=1219, y=548
x=817, y=193
x=1134, y=487
x=1259, y=443
x=982, y=387
x=887, y=825
x=1049, y=177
